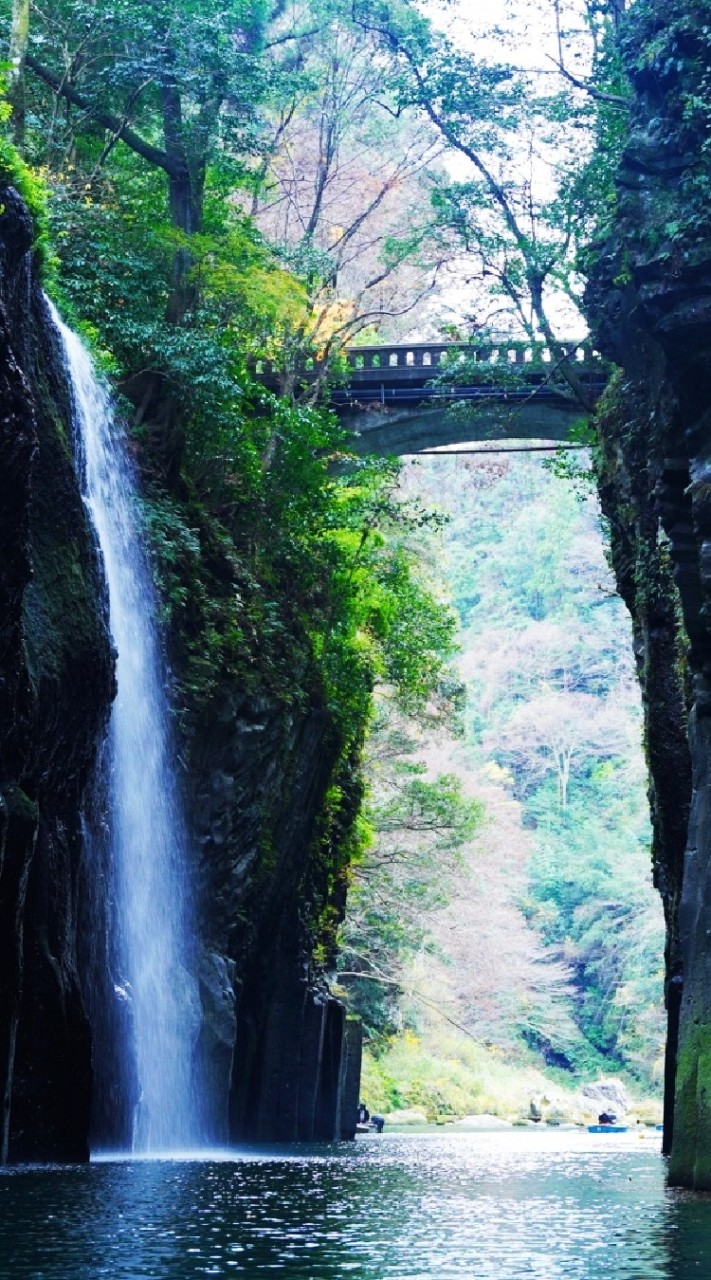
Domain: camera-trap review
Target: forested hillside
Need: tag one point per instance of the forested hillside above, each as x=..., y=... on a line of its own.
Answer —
x=555, y=704
x=544, y=934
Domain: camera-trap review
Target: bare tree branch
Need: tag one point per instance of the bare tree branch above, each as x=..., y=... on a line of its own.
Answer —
x=614, y=99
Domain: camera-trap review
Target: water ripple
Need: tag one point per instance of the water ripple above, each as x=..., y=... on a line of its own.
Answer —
x=548, y=1206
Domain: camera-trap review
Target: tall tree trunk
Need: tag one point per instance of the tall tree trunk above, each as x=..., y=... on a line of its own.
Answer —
x=19, y=36
x=186, y=188
x=186, y=181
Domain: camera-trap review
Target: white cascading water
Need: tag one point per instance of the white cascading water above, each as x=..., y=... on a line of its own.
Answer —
x=147, y=827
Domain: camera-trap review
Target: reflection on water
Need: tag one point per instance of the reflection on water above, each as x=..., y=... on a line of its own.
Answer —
x=559, y=1206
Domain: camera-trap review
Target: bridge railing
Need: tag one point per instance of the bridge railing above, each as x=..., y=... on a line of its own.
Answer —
x=435, y=371
x=401, y=361
x=447, y=355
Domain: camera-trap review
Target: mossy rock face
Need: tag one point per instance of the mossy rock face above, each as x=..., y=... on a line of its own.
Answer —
x=690, y=1161
x=56, y=683
x=631, y=421
x=268, y=877
x=650, y=301
x=65, y=620
x=16, y=805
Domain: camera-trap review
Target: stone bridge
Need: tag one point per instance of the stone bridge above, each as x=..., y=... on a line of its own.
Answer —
x=407, y=398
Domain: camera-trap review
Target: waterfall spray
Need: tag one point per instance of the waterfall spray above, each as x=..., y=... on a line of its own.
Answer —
x=147, y=826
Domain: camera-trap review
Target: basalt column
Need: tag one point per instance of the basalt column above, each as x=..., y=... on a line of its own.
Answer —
x=651, y=303
x=274, y=1039
x=630, y=475
x=55, y=692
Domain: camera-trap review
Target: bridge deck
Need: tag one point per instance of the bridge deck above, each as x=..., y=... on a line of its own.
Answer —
x=455, y=371
x=407, y=397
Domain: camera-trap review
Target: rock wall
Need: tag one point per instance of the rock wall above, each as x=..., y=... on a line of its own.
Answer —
x=271, y=788
x=56, y=679
x=629, y=472
x=274, y=1039
x=650, y=299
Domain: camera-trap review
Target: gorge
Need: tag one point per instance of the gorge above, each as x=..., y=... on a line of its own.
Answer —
x=218, y=725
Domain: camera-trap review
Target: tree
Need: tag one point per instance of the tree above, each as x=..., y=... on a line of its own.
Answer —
x=419, y=823
x=345, y=187
x=528, y=1001
x=19, y=35
x=523, y=211
x=560, y=731
x=553, y=653
x=190, y=71
x=569, y=888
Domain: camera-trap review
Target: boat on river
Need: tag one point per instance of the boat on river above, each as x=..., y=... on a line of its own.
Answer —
x=608, y=1128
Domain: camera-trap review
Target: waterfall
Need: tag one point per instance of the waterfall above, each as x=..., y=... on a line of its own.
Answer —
x=147, y=827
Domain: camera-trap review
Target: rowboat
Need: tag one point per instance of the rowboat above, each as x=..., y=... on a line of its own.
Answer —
x=608, y=1128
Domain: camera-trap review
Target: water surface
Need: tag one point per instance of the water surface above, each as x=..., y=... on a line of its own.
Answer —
x=487, y=1206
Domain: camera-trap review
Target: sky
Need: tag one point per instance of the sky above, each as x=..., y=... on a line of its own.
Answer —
x=527, y=26
x=523, y=32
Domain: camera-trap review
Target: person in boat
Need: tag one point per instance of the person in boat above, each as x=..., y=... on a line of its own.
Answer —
x=606, y=1117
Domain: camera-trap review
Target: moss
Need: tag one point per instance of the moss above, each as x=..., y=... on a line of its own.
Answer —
x=224, y=626
x=337, y=844
x=18, y=805
x=690, y=1161
x=61, y=610
x=35, y=193
x=635, y=422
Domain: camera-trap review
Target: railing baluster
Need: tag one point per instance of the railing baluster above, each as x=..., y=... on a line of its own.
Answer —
x=405, y=372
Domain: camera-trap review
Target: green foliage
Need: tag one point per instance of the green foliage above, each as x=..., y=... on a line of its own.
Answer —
x=282, y=563
x=553, y=702
x=125, y=55
x=532, y=185
x=313, y=559
x=668, y=58
x=591, y=895
x=574, y=465
x=445, y=1074
x=417, y=826
x=14, y=171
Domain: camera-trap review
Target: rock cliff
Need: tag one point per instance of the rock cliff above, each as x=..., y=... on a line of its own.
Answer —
x=650, y=299
x=56, y=677
x=269, y=869
x=271, y=788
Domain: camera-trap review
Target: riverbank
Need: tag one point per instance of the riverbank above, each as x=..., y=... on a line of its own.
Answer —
x=466, y=1082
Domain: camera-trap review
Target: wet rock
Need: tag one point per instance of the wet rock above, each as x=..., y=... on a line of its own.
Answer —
x=650, y=299
x=605, y=1095
x=280, y=1056
x=56, y=684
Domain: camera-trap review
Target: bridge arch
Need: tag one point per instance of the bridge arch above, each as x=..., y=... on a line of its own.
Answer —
x=401, y=399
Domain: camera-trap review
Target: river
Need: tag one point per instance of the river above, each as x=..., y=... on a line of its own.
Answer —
x=486, y=1206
